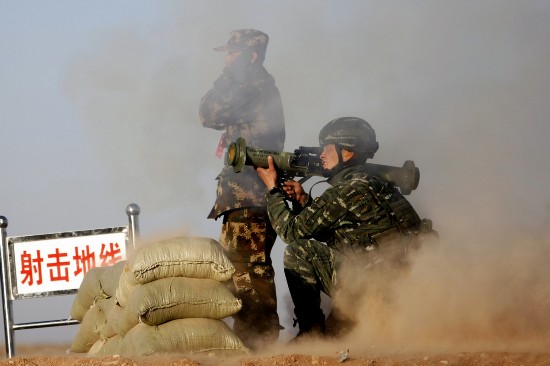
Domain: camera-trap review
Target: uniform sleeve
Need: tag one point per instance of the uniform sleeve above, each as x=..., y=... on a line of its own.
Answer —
x=227, y=103
x=315, y=220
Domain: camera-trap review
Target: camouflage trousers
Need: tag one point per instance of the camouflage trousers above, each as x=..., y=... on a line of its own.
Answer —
x=248, y=238
x=319, y=267
x=313, y=262
x=311, y=267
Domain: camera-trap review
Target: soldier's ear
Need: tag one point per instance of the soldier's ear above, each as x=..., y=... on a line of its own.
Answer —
x=346, y=154
x=253, y=57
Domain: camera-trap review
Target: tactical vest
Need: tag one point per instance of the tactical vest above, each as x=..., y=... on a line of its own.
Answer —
x=402, y=215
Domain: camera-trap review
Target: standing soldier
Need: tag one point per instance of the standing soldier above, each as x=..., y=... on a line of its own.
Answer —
x=245, y=102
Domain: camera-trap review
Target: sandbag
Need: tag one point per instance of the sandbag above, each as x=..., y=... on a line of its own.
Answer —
x=110, y=277
x=96, y=347
x=193, y=335
x=172, y=298
x=126, y=283
x=88, y=331
x=88, y=293
x=119, y=321
x=106, y=306
x=181, y=257
x=106, y=347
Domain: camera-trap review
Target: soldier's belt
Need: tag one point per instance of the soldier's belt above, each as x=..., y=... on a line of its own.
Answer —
x=253, y=214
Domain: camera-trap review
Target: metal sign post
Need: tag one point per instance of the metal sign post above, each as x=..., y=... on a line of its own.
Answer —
x=6, y=295
x=132, y=210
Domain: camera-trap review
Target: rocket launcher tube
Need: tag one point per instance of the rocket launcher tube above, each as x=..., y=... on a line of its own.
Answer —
x=306, y=162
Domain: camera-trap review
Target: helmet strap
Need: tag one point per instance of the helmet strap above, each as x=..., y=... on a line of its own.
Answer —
x=338, y=167
x=339, y=152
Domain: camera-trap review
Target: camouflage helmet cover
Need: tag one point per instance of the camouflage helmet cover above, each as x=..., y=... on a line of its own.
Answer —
x=351, y=133
x=245, y=40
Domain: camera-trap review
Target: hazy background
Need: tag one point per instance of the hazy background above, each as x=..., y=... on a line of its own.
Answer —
x=99, y=109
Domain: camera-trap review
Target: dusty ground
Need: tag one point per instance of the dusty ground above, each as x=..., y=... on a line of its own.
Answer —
x=55, y=355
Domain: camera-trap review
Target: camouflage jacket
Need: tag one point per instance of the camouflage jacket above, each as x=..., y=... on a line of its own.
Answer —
x=348, y=214
x=252, y=109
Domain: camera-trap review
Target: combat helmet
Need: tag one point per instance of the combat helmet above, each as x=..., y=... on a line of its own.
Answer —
x=352, y=134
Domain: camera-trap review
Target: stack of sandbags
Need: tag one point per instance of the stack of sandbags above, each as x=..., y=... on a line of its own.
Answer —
x=94, y=301
x=167, y=298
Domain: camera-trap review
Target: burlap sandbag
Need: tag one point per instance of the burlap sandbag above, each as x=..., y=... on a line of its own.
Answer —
x=172, y=298
x=105, y=306
x=110, y=278
x=119, y=321
x=88, y=293
x=106, y=347
x=88, y=331
x=126, y=284
x=181, y=257
x=96, y=347
x=191, y=335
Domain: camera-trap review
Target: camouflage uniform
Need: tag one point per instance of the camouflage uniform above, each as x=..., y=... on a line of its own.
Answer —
x=357, y=218
x=245, y=102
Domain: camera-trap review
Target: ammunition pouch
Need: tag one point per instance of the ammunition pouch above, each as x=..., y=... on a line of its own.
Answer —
x=394, y=244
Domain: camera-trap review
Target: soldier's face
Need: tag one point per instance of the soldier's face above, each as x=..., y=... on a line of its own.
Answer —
x=230, y=57
x=329, y=156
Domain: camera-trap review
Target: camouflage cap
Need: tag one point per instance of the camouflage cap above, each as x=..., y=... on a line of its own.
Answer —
x=245, y=39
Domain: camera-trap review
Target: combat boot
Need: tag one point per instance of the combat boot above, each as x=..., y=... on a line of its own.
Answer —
x=307, y=302
x=338, y=325
x=311, y=324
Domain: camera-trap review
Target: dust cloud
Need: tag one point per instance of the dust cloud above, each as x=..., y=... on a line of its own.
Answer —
x=460, y=299
x=460, y=88
x=456, y=296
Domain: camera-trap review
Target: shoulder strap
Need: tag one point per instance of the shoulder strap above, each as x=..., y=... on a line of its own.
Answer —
x=401, y=213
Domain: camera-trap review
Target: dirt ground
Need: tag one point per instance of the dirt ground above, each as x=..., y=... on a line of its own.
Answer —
x=55, y=355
